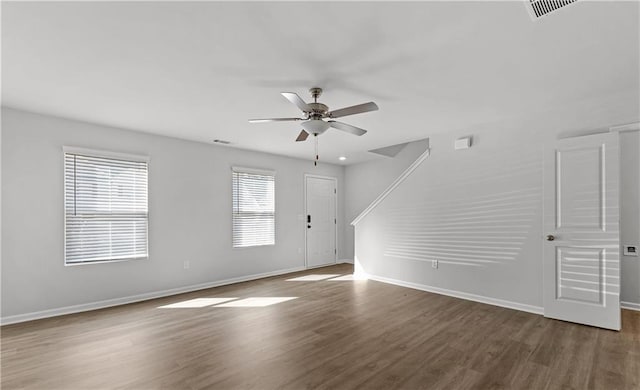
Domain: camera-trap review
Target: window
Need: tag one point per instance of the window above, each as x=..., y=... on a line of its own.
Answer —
x=253, y=207
x=106, y=210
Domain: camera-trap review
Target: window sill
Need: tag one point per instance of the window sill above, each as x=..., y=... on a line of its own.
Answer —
x=106, y=261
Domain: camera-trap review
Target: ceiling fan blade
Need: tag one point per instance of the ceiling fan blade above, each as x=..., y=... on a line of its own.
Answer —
x=360, y=108
x=347, y=128
x=297, y=100
x=302, y=136
x=274, y=120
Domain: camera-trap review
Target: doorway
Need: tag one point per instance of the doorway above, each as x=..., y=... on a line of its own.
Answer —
x=320, y=220
x=582, y=237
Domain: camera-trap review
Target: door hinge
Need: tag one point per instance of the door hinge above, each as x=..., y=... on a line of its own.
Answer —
x=335, y=221
x=335, y=191
x=335, y=251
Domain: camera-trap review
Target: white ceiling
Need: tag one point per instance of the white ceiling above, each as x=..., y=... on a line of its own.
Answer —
x=199, y=70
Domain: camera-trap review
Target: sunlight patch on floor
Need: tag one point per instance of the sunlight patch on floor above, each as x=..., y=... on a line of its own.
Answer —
x=197, y=302
x=312, y=277
x=347, y=278
x=256, y=302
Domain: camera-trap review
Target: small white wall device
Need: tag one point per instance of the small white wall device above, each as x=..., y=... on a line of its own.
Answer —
x=462, y=143
x=630, y=250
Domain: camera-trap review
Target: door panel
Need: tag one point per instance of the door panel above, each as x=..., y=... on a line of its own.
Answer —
x=582, y=251
x=321, y=230
x=580, y=274
x=580, y=188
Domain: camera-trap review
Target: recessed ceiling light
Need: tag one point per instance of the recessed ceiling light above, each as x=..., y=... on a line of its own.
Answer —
x=342, y=158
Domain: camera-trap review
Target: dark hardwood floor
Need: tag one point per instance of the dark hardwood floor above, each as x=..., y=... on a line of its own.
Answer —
x=335, y=334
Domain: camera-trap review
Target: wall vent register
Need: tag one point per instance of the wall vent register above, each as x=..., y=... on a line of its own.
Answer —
x=539, y=8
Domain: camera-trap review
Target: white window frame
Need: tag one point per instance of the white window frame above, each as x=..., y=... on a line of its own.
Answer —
x=256, y=171
x=104, y=154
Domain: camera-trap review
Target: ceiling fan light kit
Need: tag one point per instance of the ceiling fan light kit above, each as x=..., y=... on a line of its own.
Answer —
x=315, y=114
x=315, y=126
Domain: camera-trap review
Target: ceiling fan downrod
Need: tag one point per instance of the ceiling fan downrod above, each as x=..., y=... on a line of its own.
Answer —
x=315, y=93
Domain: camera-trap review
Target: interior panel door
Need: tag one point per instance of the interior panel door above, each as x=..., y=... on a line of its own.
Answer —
x=582, y=241
x=320, y=221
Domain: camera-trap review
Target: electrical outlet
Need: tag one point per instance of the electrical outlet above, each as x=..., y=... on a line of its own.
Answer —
x=434, y=264
x=186, y=264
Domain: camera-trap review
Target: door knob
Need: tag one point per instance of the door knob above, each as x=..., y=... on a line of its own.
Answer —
x=550, y=237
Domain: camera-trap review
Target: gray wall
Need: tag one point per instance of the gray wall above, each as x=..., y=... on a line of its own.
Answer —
x=460, y=197
x=630, y=214
x=365, y=181
x=479, y=212
x=189, y=212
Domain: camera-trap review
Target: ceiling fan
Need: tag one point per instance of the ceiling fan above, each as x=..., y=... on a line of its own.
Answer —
x=315, y=114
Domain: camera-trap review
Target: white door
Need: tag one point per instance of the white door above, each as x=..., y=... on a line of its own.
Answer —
x=581, y=247
x=320, y=220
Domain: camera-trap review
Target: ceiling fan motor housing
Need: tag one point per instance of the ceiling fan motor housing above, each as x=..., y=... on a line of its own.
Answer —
x=318, y=110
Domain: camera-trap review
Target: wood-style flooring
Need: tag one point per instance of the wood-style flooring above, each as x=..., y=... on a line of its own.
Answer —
x=335, y=334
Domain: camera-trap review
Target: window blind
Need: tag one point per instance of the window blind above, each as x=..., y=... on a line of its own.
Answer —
x=253, y=208
x=106, y=210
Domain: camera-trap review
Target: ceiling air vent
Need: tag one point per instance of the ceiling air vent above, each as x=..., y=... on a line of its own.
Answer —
x=538, y=8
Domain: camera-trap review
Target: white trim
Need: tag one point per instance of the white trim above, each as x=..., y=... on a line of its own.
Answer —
x=392, y=187
x=105, y=154
x=108, y=261
x=461, y=295
x=138, y=298
x=304, y=217
x=630, y=306
x=628, y=127
x=255, y=171
x=345, y=261
x=320, y=266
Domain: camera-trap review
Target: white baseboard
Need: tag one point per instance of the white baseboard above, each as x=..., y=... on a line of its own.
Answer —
x=137, y=298
x=479, y=298
x=180, y=290
x=345, y=261
x=461, y=295
x=630, y=306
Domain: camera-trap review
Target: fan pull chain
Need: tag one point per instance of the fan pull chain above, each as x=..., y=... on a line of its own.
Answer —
x=315, y=139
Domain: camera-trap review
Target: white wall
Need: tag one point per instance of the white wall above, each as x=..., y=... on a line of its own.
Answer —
x=365, y=181
x=189, y=213
x=460, y=194
x=479, y=212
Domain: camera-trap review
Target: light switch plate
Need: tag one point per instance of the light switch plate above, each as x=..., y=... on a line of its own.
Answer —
x=462, y=143
x=630, y=250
